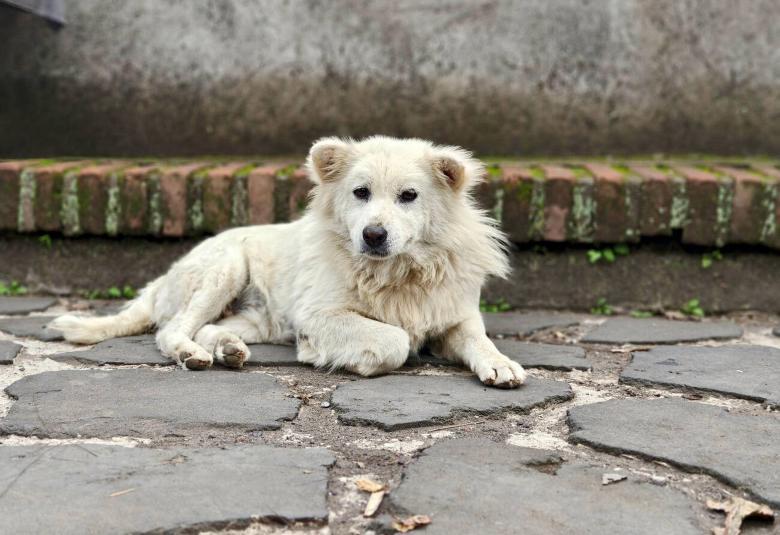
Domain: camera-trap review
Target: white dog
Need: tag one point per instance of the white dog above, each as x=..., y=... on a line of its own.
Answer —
x=391, y=254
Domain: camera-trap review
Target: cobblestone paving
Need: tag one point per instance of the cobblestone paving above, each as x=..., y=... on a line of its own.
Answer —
x=523, y=323
x=10, y=306
x=750, y=372
x=475, y=486
x=30, y=327
x=657, y=331
x=8, y=352
x=400, y=401
x=132, y=490
x=115, y=439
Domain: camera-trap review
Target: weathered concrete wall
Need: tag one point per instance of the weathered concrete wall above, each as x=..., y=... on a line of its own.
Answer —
x=500, y=76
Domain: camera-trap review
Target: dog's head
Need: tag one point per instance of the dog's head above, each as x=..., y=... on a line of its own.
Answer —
x=390, y=196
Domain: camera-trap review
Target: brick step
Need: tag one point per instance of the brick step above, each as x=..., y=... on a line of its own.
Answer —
x=709, y=204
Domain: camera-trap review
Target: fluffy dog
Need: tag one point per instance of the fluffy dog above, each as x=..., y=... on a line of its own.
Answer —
x=390, y=255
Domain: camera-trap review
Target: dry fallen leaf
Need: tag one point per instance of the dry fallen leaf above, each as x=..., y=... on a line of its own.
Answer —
x=608, y=479
x=369, y=485
x=374, y=501
x=413, y=522
x=737, y=509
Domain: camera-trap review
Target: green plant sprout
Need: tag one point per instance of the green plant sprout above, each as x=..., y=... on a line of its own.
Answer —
x=602, y=308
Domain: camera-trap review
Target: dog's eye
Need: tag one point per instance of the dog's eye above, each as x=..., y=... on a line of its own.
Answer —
x=408, y=195
x=362, y=193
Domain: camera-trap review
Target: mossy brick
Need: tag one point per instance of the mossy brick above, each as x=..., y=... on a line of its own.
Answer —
x=771, y=231
x=47, y=201
x=260, y=183
x=655, y=201
x=93, y=189
x=239, y=213
x=770, y=171
x=284, y=188
x=10, y=177
x=517, y=185
x=702, y=191
x=749, y=213
x=217, y=198
x=558, y=187
x=173, y=197
x=300, y=187
x=134, y=200
x=582, y=219
x=484, y=193
x=616, y=218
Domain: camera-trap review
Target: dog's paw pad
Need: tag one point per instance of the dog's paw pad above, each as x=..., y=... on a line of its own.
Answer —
x=235, y=355
x=195, y=362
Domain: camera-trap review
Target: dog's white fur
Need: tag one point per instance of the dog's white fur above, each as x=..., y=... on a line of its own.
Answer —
x=314, y=280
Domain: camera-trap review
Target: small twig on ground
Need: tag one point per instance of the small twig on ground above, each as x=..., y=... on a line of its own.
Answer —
x=454, y=426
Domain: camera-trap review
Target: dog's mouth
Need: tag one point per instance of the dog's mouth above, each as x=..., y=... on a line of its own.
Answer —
x=377, y=253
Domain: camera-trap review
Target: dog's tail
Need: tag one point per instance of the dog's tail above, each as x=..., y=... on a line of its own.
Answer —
x=135, y=318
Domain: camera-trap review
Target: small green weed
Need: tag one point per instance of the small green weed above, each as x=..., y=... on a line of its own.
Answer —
x=693, y=308
x=602, y=308
x=127, y=292
x=641, y=314
x=608, y=254
x=13, y=288
x=708, y=259
x=498, y=306
x=45, y=240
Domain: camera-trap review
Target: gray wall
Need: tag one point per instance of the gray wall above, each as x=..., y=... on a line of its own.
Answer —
x=513, y=77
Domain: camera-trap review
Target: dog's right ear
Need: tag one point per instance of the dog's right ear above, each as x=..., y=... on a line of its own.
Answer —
x=328, y=159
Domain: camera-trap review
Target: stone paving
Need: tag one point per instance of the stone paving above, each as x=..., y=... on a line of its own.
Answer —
x=401, y=401
x=8, y=352
x=611, y=434
x=742, y=450
x=135, y=490
x=523, y=324
x=30, y=327
x=658, y=331
x=143, y=402
x=10, y=306
x=465, y=485
x=749, y=372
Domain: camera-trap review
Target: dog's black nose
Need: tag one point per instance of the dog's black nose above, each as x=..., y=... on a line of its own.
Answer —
x=374, y=236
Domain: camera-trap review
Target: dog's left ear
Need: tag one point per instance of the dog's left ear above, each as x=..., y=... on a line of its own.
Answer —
x=456, y=168
x=328, y=159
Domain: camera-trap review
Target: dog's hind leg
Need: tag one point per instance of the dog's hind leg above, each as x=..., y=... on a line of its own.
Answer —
x=219, y=286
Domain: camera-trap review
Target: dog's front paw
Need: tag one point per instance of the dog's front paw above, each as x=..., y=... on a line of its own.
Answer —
x=501, y=372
